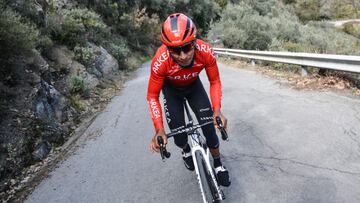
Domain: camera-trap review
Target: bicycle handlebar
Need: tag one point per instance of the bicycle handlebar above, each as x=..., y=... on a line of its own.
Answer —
x=223, y=132
x=188, y=129
x=165, y=154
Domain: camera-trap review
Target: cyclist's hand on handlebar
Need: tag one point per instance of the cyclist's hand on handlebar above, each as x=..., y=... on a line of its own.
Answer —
x=154, y=145
x=223, y=118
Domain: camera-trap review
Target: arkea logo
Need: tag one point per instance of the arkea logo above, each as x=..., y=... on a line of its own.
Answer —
x=161, y=59
x=155, y=111
x=205, y=48
x=184, y=77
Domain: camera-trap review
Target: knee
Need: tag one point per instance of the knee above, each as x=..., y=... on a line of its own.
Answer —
x=212, y=139
x=213, y=144
x=180, y=140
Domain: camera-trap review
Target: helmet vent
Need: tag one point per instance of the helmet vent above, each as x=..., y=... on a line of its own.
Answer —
x=174, y=24
x=187, y=28
x=192, y=30
x=163, y=34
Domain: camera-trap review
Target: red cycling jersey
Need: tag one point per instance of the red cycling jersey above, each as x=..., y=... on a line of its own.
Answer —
x=164, y=68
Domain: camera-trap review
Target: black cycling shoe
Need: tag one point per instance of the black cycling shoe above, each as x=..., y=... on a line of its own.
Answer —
x=223, y=176
x=188, y=161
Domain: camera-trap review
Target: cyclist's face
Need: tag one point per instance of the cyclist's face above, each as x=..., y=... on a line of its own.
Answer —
x=183, y=55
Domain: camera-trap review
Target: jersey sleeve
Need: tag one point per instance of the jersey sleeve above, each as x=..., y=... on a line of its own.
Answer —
x=212, y=72
x=156, y=81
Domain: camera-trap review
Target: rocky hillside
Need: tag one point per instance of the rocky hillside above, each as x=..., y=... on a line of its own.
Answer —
x=61, y=60
x=45, y=94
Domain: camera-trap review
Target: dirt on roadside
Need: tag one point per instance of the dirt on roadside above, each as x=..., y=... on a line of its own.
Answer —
x=332, y=81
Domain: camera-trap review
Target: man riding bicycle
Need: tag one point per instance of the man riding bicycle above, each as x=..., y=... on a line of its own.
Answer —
x=175, y=70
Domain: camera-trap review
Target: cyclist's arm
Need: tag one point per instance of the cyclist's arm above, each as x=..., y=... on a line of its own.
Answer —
x=213, y=75
x=155, y=84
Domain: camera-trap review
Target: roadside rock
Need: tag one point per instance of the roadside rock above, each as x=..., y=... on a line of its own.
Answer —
x=77, y=69
x=42, y=150
x=105, y=63
x=90, y=80
x=51, y=104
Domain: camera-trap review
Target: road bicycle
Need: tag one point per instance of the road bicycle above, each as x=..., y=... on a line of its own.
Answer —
x=209, y=187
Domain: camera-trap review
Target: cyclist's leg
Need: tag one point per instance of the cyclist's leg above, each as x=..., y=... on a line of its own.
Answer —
x=174, y=112
x=200, y=104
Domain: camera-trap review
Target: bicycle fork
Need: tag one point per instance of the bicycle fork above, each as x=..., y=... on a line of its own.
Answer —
x=206, y=155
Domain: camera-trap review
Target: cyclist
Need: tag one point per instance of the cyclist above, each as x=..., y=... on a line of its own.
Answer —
x=175, y=70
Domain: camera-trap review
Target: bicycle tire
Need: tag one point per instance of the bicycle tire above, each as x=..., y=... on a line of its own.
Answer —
x=207, y=183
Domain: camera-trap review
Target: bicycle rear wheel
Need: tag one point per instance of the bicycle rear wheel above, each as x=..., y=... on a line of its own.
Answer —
x=206, y=181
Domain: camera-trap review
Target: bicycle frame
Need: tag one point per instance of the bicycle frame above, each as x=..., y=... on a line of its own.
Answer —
x=198, y=145
x=195, y=146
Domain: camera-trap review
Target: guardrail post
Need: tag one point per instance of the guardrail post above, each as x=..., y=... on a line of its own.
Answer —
x=252, y=62
x=322, y=71
x=304, y=71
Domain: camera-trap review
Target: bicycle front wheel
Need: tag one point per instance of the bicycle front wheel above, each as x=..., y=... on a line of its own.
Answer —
x=207, y=183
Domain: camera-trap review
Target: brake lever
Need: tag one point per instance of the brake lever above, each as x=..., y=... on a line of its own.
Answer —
x=163, y=152
x=223, y=132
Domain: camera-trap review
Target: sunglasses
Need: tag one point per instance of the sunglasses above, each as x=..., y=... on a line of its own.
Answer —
x=184, y=48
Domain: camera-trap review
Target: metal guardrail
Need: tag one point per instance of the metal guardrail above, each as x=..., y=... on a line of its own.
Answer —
x=328, y=61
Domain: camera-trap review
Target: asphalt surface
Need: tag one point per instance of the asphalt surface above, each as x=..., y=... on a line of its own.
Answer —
x=340, y=23
x=285, y=146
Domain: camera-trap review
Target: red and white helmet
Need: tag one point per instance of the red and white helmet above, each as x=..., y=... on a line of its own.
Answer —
x=178, y=29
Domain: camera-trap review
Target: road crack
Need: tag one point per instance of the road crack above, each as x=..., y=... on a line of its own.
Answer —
x=236, y=157
x=116, y=121
x=252, y=133
x=352, y=135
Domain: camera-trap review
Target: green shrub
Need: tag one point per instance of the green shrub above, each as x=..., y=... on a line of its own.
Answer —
x=352, y=29
x=17, y=35
x=118, y=49
x=289, y=1
x=263, y=7
x=319, y=39
x=295, y=47
x=344, y=11
x=328, y=40
x=222, y=3
x=30, y=10
x=78, y=26
x=285, y=67
x=84, y=55
x=77, y=84
x=75, y=102
x=45, y=43
x=243, y=27
x=285, y=25
x=139, y=28
x=308, y=9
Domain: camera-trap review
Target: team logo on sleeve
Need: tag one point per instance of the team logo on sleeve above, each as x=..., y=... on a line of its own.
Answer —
x=160, y=60
x=155, y=111
x=205, y=48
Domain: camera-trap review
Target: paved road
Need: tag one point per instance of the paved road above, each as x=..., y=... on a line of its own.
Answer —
x=340, y=23
x=285, y=146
